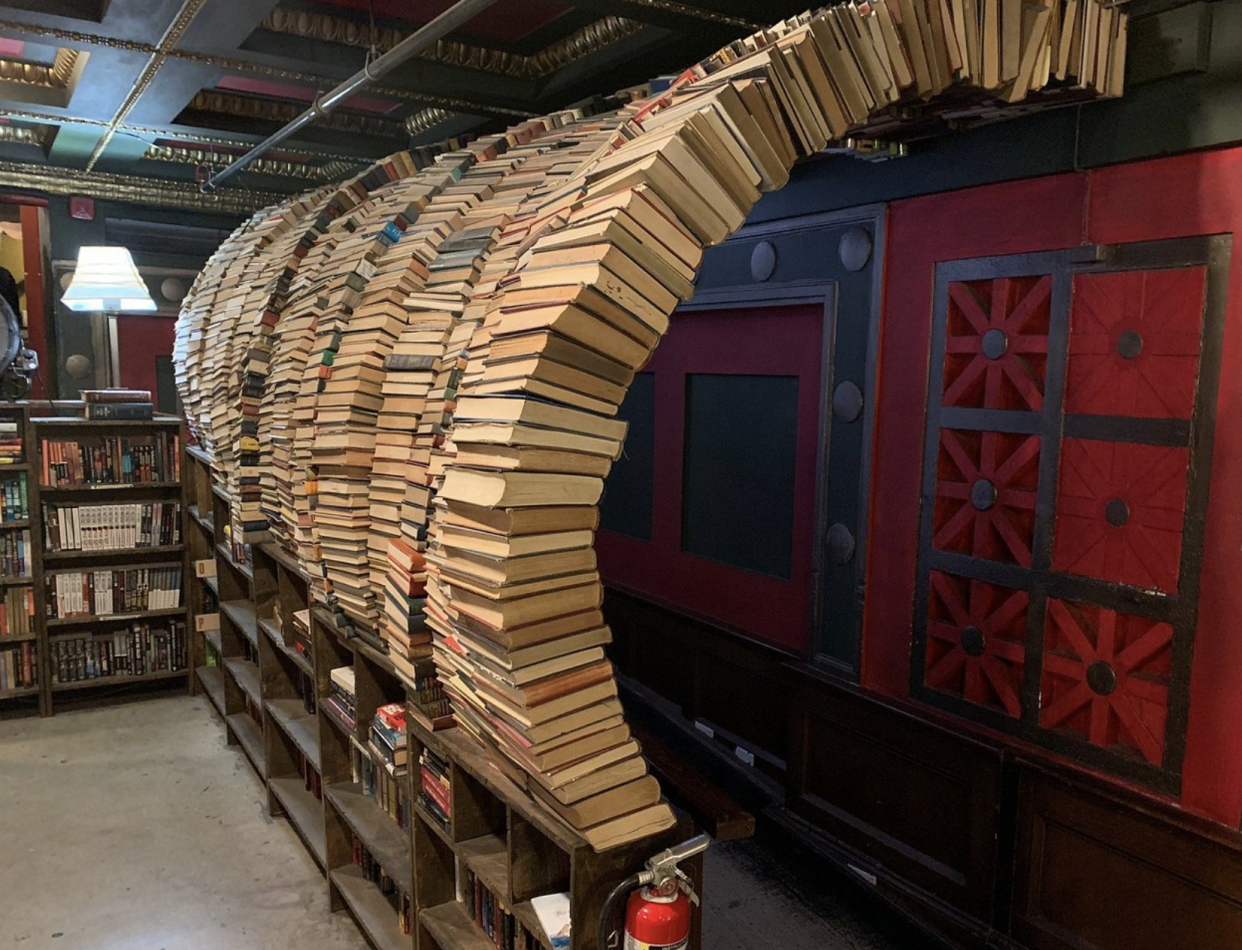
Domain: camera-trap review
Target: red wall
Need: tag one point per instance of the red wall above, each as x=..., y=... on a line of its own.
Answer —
x=1177, y=197
x=139, y=341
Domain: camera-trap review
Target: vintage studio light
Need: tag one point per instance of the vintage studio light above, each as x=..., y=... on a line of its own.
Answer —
x=107, y=280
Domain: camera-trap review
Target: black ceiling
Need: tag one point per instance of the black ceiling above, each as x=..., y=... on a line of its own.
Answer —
x=127, y=90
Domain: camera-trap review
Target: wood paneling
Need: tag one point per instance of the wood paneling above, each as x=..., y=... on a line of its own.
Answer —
x=1101, y=871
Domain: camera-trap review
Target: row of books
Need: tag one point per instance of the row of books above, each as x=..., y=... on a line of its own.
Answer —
x=111, y=527
x=111, y=460
x=14, y=505
x=101, y=593
x=17, y=611
x=492, y=915
x=393, y=892
x=12, y=445
x=379, y=765
x=341, y=697
x=139, y=651
x=435, y=788
x=16, y=555
x=19, y=667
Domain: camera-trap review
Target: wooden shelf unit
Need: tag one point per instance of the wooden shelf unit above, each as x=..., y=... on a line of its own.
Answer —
x=35, y=698
x=519, y=848
x=61, y=421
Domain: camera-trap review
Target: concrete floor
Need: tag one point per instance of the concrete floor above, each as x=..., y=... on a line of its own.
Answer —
x=133, y=827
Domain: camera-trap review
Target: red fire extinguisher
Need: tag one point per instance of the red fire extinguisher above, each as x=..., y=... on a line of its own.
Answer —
x=658, y=912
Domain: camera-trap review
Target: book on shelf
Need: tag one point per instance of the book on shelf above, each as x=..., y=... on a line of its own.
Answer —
x=15, y=553
x=492, y=915
x=434, y=788
x=396, y=895
x=14, y=500
x=114, y=395
x=19, y=666
x=120, y=411
x=12, y=445
x=111, y=527
x=17, y=612
x=111, y=460
x=104, y=592
x=141, y=650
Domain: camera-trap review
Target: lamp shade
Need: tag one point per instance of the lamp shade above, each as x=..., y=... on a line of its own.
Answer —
x=107, y=280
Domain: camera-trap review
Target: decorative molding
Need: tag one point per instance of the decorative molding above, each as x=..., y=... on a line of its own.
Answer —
x=426, y=119
x=21, y=135
x=133, y=189
x=329, y=171
x=56, y=76
x=697, y=13
x=273, y=110
x=176, y=29
x=242, y=66
x=570, y=49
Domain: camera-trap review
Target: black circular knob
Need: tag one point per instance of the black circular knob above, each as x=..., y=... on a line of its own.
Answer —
x=1116, y=512
x=1102, y=678
x=973, y=640
x=995, y=343
x=983, y=494
x=1129, y=345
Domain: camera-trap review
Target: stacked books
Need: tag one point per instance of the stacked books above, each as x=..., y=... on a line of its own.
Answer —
x=121, y=404
x=12, y=450
x=435, y=788
x=438, y=353
x=342, y=699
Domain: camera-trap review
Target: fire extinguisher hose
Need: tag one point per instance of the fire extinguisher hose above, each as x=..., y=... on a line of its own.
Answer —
x=610, y=903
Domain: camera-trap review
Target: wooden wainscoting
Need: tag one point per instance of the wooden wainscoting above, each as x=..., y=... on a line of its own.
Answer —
x=1102, y=869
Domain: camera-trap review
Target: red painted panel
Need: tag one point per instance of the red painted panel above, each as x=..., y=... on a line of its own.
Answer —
x=11, y=49
x=998, y=219
x=1105, y=678
x=307, y=94
x=985, y=495
x=996, y=343
x=1134, y=343
x=976, y=641
x=1120, y=512
x=783, y=341
x=36, y=297
x=140, y=339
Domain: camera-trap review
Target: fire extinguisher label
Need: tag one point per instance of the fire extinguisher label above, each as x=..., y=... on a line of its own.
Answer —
x=632, y=944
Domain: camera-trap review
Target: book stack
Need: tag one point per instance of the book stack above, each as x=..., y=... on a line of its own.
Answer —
x=12, y=449
x=429, y=704
x=102, y=593
x=342, y=700
x=120, y=404
x=435, y=788
x=139, y=651
x=301, y=635
x=14, y=505
x=19, y=667
x=17, y=612
x=111, y=527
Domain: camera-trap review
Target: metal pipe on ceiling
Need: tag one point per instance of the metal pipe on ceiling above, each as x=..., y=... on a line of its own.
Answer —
x=455, y=16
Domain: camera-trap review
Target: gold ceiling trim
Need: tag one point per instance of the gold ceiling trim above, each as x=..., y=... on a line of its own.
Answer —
x=570, y=49
x=56, y=76
x=241, y=65
x=329, y=171
x=271, y=110
x=426, y=119
x=710, y=16
x=20, y=135
x=134, y=189
x=176, y=29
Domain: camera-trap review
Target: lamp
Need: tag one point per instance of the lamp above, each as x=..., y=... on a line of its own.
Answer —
x=106, y=279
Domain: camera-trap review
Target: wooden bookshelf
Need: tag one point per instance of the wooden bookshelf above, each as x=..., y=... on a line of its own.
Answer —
x=300, y=750
x=63, y=422
x=16, y=700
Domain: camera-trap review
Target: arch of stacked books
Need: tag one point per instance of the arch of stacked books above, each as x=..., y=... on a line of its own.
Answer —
x=409, y=380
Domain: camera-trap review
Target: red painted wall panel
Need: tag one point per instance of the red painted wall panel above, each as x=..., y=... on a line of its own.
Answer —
x=1167, y=198
x=999, y=219
x=139, y=341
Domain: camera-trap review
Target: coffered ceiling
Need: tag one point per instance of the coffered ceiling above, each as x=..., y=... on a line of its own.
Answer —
x=124, y=91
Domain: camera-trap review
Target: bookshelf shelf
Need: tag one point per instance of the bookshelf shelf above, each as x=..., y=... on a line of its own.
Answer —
x=58, y=556
x=488, y=857
x=77, y=422
x=195, y=452
x=247, y=733
x=15, y=580
x=202, y=521
x=298, y=725
x=115, y=618
x=213, y=584
x=214, y=637
x=452, y=929
x=132, y=566
x=246, y=675
x=19, y=693
x=157, y=677
x=336, y=721
x=15, y=467
x=7, y=525
x=212, y=680
x=277, y=639
x=305, y=813
x=245, y=570
x=383, y=837
x=20, y=638
x=375, y=916
x=241, y=613
x=92, y=489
